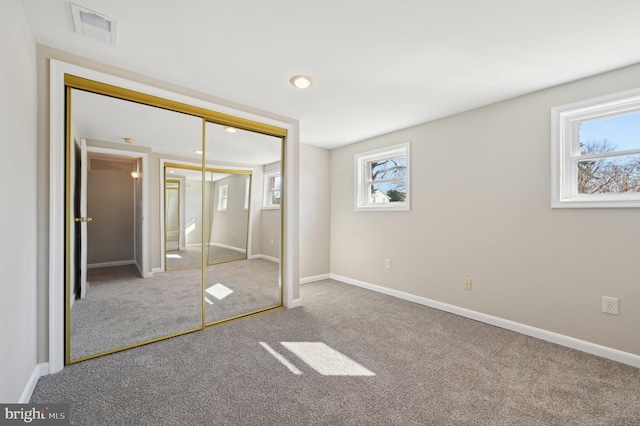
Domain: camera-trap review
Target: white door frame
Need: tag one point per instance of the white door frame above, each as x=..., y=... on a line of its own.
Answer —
x=144, y=162
x=57, y=185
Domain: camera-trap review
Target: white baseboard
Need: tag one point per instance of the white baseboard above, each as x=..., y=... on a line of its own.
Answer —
x=294, y=304
x=314, y=278
x=265, y=257
x=156, y=271
x=228, y=247
x=108, y=264
x=38, y=371
x=560, y=339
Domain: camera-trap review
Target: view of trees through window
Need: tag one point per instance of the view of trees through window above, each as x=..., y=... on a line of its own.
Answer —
x=274, y=190
x=388, y=183
x=615, y=173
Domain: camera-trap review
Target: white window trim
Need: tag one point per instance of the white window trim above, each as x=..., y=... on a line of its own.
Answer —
x=247, y=191
x=223, y=198
x=266, y=203
x=565, y=145
x=360, y=161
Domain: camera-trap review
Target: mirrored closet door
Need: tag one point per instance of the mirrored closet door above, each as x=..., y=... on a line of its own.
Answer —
x=116, y=300
x=174, y=222
x=245, y=218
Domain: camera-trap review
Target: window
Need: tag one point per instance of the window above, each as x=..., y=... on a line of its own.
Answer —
x=247, y=191
x=596, y=152
x=272, y=190
x=382, y=179
x=223, y=198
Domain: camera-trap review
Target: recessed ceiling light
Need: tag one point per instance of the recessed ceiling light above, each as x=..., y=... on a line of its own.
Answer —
x=301, y=81
x=128, y=140
x=231, y=129
x=197, y=151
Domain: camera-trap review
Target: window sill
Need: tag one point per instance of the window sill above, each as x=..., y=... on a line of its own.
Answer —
x=382, y=208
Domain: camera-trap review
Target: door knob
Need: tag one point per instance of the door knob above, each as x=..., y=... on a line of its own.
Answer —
x=83, y=219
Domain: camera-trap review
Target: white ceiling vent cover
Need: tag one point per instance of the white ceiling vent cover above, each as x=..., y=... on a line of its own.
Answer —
x=94, y=25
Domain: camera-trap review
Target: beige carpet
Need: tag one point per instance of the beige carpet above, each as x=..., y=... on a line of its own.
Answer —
x=122, y=309
x=431, y=368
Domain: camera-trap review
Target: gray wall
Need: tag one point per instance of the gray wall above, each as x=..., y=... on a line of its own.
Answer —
x=481, y=209
x=18, y=124
x=193, y=211
x=229, y=227
x=315, y=210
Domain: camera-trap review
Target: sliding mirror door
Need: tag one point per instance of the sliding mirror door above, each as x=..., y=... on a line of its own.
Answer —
x=117, y=293
x=243, y=272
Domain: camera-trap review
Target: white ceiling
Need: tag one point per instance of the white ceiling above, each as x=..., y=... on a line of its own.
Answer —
x=377, y=66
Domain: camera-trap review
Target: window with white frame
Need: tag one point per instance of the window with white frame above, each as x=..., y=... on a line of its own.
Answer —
x=382, y=179
x=247, y=191
x=596, y=152
x=223, y=198
x=272, y=190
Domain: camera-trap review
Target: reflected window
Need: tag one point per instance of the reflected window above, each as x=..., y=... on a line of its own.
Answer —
x=223, y=198
x=272, y=190
x=247, y=191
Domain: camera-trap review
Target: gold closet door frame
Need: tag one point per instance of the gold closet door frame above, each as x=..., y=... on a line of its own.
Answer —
x=80, y=83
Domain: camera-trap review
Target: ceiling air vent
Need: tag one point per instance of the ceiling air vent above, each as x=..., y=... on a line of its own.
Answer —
x=94, y=25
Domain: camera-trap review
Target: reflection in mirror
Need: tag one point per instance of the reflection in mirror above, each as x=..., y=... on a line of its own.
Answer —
x=246, y=223
x=172, y=230
x=188, y=253
x=228, y=216
x=118, y=295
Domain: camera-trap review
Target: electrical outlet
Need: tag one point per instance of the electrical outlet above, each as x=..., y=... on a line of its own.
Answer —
x=387, y=263
x=466, y=283
x=610, y=305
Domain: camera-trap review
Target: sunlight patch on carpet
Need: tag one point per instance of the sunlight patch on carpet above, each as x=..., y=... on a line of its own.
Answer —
x=282, y=359
x=174, y=256
x=208, y=301
x=219, y=291
x=326, y=360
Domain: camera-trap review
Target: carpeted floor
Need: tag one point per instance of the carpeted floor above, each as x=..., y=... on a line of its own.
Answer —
x=122, y=309
x=431, y=368
x=253, y=285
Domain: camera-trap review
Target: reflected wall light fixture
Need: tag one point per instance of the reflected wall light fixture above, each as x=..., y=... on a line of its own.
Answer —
x=230, y=129
x=198, y=151
x=301, y=81
x=136, y=173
